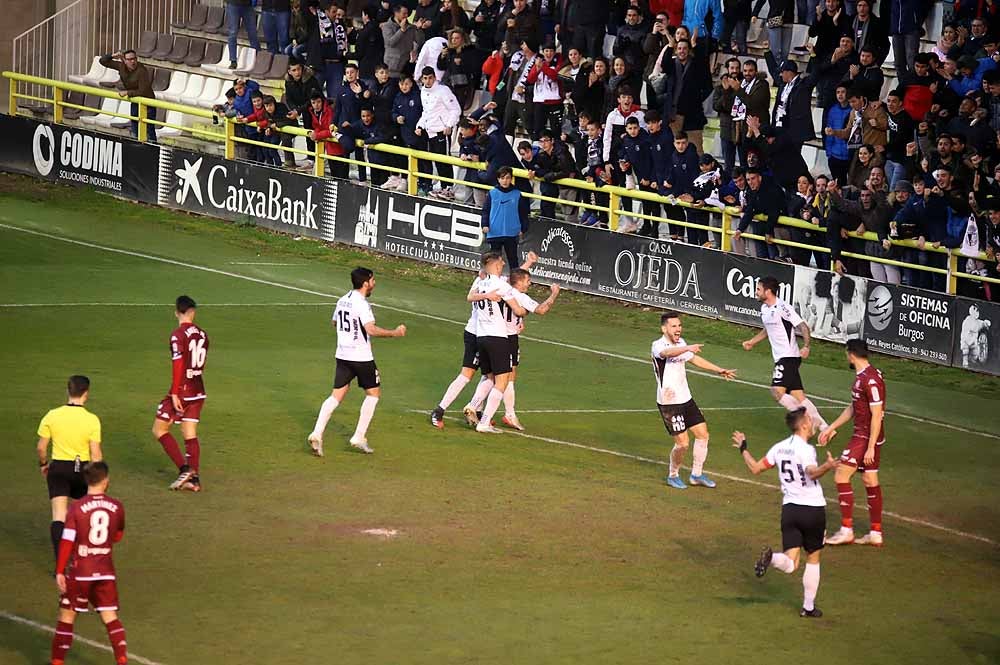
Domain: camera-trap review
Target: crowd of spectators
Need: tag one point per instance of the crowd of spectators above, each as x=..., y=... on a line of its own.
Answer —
x=616, y=92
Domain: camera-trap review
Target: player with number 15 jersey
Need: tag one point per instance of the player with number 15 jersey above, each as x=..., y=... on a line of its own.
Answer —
x=184, y=401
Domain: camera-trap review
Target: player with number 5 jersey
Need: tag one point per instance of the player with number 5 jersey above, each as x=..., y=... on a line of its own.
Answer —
x=186, y=397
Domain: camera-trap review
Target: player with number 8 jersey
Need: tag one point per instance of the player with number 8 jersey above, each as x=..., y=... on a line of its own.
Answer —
x=186, y=398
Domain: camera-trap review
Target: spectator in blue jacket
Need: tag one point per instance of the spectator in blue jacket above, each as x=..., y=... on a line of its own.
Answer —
x=838, y=155
x=497, y=152
x=406, y=111
x=635, y=159
x=680, y=180
x=505, y=216
x=369, y=132
x=347, y=109
x=244, y=89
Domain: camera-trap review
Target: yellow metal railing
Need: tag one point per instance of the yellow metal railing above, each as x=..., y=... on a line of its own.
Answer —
x=621, y=200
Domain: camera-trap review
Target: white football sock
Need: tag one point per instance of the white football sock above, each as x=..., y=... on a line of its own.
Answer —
x=814, y=413
x=325, y=411
x=365, y=416
x=508, y=400
x=454, y=390
x=676, y=457
x=698, y=456
x=482, y=390
x=782, y=562
x=789, y=402
x=492, y=404
x=810, y=586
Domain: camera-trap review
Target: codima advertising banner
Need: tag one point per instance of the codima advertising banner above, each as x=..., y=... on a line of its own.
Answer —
x=106, y=163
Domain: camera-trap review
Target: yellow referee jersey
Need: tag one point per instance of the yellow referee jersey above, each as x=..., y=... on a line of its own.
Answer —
x=71, y=429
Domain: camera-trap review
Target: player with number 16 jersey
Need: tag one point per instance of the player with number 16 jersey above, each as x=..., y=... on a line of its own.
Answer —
x=184, y=401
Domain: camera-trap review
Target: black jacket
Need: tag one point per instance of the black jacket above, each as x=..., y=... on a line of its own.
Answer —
x=769, y=200
x=297, y=93
x=369, y=48
x=797, y=125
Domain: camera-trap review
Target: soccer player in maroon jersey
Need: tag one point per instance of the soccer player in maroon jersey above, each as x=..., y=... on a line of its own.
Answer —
x=183, y=404
x=94, y=524
x=864, y=450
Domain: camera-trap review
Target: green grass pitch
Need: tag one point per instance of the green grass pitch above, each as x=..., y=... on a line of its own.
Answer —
x=510, y=549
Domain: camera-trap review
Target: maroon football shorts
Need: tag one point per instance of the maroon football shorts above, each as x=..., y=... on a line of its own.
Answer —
x=854, y=454
x=81, y=594
x=191, y=414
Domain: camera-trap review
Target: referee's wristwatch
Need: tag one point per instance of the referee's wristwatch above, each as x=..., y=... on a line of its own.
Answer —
x=43, y=463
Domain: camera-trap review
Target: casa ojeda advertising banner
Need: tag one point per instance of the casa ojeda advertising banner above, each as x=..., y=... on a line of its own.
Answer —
x=739, y=286
x=627, y=267
x=107, y=163
x=245, y=192
x=408, y=226
x=908, y=322
x=977, y=335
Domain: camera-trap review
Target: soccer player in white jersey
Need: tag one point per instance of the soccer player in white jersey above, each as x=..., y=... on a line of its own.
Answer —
x=780, y=323
x=355, y=324
x=470, y=358
x=673, y=398
x=495, y=357
x=803, y=508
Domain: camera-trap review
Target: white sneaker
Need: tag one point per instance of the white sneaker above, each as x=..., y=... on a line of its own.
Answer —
x=316, y=443
x=362, y=445
x=483, y=428
x=513, y=423
x=844, y=536
x=873, y=538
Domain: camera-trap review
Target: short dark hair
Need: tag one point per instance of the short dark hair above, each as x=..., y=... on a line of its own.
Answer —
x=77, y=385
x=381, y=65
x=359, y=276
x=738, y=172
x=624, y=91
x=184, y=303
x=752, y=63
x=769, y=283
x=517, y=275
x=504, y=171
x=269, y=99
x=666, y=316
x=350, y=65
x=257, y=93
x=653, y=116
x=632, y=121
x=857, y=347
x=897, y=93
x=524, y=145
x=680, y=134
x=316, y=95
x=794, y=418
x=129, y=50
x=867, y=49
x=95, y=473
x=736, y=60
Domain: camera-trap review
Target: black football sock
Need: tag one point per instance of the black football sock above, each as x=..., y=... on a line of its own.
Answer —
x=55, y=532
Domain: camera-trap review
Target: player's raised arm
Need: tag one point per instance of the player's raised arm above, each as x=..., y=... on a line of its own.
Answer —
x=701, y=362
x=529, y=261
x=674, y=351
x=756, y=466
x=374, y=331
x=756, y=339
x=546, y=305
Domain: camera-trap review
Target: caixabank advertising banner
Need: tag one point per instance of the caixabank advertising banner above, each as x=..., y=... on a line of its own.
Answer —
x=107, y=163
x=277, y=199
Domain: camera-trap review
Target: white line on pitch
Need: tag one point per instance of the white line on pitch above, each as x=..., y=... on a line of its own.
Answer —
x=164, y=304
x=703, y=408
x=299, y=289
x=262, y=263
x=737, y=479
x=76, y=638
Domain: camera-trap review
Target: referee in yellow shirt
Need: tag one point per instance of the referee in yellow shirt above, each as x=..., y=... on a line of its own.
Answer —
x=75, y=434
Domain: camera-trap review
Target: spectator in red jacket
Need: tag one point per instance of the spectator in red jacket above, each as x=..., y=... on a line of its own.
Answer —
x=546, y=91
x=321, y=119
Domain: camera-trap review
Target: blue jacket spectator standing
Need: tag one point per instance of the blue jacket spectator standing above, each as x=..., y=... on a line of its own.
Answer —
x=406, y=111
x=367, y=130
x=695, y=12
x=505, y=216
x=240, y=12
x=837, y=153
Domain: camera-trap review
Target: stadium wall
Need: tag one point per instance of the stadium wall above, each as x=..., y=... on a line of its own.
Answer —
x=896, y=320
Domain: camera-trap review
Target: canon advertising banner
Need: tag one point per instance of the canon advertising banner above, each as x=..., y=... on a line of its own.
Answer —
x=106, y=163
x=977, y=335
x=832, y=305
x=908, y=322
x=243, y=192
x=409, y=226
x=739, y=288
x=634, y=268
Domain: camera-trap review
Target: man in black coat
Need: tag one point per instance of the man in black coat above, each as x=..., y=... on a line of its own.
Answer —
x=791, y=123
x=763, y=197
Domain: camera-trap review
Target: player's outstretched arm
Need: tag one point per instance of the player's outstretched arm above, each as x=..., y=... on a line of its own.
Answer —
x=827, y=435
x=756, y=466
x=816, y=472
x=803, y=328
x=753, y=341
x=374, y=331
x=701, y=362
x=546, y=305
x=674, y=351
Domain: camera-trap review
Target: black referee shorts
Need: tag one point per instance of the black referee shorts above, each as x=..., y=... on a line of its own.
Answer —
x=65, y=478
x=802, y=526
